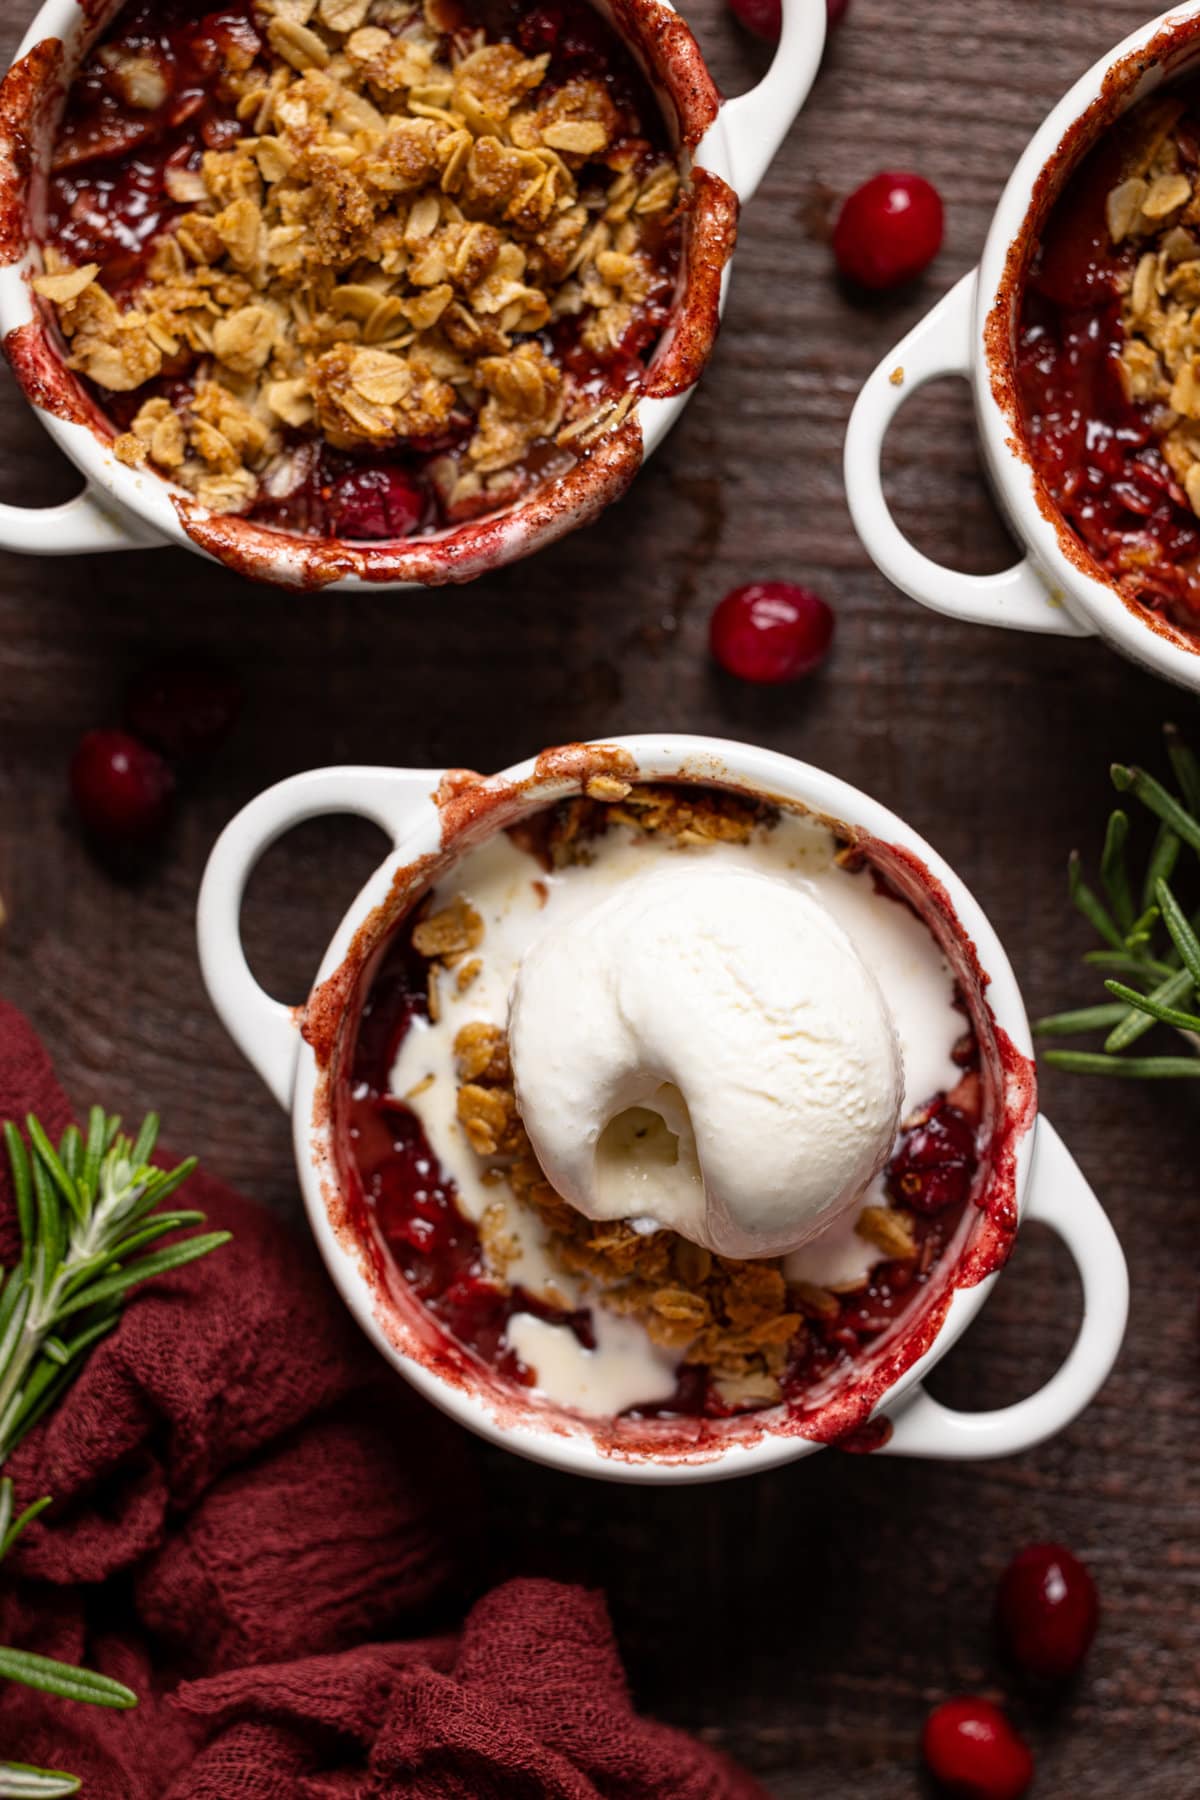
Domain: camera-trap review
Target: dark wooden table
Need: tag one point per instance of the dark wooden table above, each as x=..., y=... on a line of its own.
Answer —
x=803, y=1620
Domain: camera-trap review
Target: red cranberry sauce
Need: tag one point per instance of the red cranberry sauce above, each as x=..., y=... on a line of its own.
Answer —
x=406, y=1206
x=149, y=98
x=1095, y=449
x=108, y=202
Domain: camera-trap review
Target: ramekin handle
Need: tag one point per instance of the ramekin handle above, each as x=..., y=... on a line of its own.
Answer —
x=941, y=344
x=756, y=123
x=1061, y=1198
x=264, y=1029
x=83, y=526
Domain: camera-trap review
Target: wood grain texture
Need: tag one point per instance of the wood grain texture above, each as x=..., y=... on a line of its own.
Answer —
x=803, y=1620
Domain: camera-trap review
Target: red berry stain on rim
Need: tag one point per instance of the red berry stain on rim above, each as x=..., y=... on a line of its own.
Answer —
x=29, y=97
x=472, y=808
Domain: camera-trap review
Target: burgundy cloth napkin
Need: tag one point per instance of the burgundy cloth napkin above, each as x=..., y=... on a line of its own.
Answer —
x=254, y=1522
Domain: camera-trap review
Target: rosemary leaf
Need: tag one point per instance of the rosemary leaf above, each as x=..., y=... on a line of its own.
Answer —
x=1182, y=935
x=1133, y=1068
x=45, y=1154
x=83, y=1340
x=88, y=1206
x=50, y=1231
x=1154, y=795
x=147, y=1137
x=94, y=1153
x=18, y=1162
x=1163, y=857
x=32, y=1402
x=1125, y=963
x=1087, y=1018
x=71, y=1153
x=83, y=1209
x=1137, y=1023
x=1114, y=873
x=18, y=1525
x=1165, y=1015
x=142, y=1270
x=156, y=1227
x=16, y=1322
x=1091, y=908
x=1186, y=767
x=69, y=1683
x=21, y=1781
x=1142, y=930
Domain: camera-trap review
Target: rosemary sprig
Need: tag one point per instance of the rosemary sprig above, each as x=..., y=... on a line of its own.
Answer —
x=1149, y=940
x=86, y=1211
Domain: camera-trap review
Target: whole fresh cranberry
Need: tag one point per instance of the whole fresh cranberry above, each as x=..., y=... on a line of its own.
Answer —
x=1047, y=1609
x=932, y=1169
x=973, y=1752
x=771, y=631
x=184, y=707
x=375, y=503
x=121, y=787
x=888, y=230
x=765, y=17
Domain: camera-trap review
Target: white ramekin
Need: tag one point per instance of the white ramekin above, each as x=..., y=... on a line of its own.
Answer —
x=727, y=144
x=1056, y=587
x=432, y=817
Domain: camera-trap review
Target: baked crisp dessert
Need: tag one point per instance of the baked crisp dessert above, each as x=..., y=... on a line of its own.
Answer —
x=1108, y=356
x=360, y=268
x=626, y=1313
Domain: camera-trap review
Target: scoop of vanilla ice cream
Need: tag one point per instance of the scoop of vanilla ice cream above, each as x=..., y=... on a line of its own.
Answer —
x=704, y=1049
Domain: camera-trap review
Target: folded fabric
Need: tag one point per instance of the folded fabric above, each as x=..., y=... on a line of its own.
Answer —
x=266, y=1534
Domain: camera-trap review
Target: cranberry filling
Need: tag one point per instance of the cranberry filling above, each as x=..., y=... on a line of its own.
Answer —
x=405, y=1205
x=107, y=198
x=108, y=202
x=1095, y=449
x=408, y=1201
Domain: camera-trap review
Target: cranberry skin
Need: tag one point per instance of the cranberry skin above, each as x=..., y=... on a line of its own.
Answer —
x=1047, y=1609
x=122, y=789
x=184, y=708
x=973, y=1752
x=933, y=1167
x=771, y=631
x=888, y=230
x=765, y=17
x=375, y=503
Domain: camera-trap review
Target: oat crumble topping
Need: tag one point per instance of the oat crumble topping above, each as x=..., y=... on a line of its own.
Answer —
x=1155, y=208
x=741, y=1320
x=382, y=262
